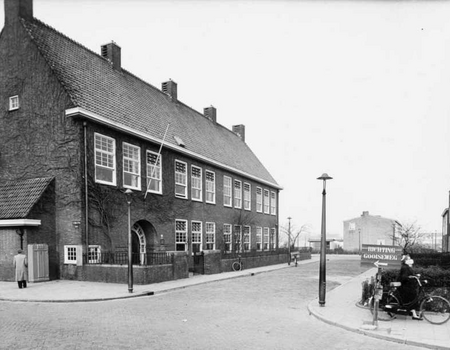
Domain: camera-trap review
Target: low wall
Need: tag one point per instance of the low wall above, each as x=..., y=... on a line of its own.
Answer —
x=119, y=273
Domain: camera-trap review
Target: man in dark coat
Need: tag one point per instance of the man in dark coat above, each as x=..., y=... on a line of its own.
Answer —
x=20, y=268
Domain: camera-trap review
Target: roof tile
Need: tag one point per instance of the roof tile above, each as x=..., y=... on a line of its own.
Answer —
x=17, y=197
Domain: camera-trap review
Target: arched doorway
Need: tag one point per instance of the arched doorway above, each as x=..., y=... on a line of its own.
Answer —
x=138, y=244
x=143, y=241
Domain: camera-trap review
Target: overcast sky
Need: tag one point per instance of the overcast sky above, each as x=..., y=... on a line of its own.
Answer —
x=357, y=89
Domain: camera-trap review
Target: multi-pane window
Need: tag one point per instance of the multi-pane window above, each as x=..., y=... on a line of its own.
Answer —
x=210, y=187
x=154, y=182
x=94, y=254
x=180, y=235
x=247, y=197
x=237, y=238
x=210, y=235
x=259, y=199
x=246, y=238
x=131, y=166
x=272, y=238
x=237, y=194
x=196, y=183
x=105, y=159
x=266, y=201
x=227, y=191
x=70, y=254
x=259, y=238
x=227, y=237
x=273, y=203
x=180, y=179
x=266, y=239
x=196, y=236
x=13, y=103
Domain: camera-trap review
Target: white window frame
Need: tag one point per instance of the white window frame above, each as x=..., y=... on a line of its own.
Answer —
x=179, y=233
x=135, y=161
x=259, y=206
x=237, y=194
x=94, y=254
x=266, y=202
x=266, y=239
x=227, y=191
x=110, y=156
x=227, y=237
x=259, y=245
x=210, y=235
x=247, y=196
x=181, y=176
x=14, y=103
x=210, y=187
x=273, y=203
x=196, y=235
x=71, y=254
x=154, y=173
x=247, y=238
x=196, y=184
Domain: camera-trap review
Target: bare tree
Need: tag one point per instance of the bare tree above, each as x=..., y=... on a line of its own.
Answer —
x=293, y=232
x=407, y=236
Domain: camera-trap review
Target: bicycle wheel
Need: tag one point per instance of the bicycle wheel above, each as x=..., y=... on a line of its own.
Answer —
x=236, y=266
x=435, y=309
x=383, y=315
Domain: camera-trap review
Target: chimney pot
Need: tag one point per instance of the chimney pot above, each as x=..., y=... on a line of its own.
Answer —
x=170, y=89
x=112, y=52
x=15, y=9
x=240, y=131
x=210, y=113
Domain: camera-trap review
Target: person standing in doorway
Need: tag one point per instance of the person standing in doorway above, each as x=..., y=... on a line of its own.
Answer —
x=20, y=268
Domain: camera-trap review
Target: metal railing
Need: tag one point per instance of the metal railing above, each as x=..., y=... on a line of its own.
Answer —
x=121, y=258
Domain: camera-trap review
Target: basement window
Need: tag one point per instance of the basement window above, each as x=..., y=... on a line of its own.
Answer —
x=13, y=103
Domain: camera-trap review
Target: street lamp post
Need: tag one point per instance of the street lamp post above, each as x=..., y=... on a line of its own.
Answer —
x=322, y=270
x=128, y=194
x=289, y=241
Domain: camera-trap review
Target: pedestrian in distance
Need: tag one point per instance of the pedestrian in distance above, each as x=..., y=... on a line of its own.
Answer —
x=408, y=289
x=21, y=268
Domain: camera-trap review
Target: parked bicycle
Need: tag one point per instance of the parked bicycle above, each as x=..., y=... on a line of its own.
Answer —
x=435, y=309
x=237, y=265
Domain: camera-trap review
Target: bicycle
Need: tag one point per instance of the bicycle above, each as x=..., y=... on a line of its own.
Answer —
x=435, y=309
x=237, y=265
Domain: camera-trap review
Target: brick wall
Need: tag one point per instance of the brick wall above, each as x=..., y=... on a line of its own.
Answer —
x=119, y=273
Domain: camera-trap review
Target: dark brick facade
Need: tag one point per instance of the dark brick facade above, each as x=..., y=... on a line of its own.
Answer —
x=38, y=139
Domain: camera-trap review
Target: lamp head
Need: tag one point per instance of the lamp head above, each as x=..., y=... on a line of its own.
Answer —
x=324, y=177
x=128, y=194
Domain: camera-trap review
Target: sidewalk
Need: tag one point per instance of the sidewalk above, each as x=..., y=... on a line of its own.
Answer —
x=340, y=308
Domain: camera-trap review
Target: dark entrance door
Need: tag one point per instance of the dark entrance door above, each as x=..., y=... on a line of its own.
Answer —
x=135, y=248
x=199, y=263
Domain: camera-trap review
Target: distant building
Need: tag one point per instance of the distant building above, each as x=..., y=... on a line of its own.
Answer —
x=331, y=243
x=369, y=229
x=445, y=231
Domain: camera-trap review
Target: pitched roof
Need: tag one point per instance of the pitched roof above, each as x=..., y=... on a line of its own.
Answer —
x=17, y=197
x=125, y=100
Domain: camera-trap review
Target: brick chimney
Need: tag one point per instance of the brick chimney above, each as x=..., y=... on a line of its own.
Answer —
x=170, y=89
x=240, y=131
x=210, y=113
x=111, y=52
x=15, y=9
x=365, y=213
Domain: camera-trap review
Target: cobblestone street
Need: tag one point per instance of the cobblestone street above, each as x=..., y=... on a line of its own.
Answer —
x=264, y=311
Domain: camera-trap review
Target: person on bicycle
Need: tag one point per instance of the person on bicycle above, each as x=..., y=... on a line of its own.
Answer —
x=408, y=289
